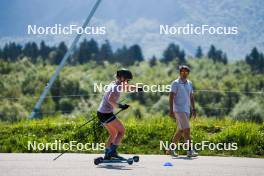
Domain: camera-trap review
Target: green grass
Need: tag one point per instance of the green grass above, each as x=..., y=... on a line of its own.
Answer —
x=142, y=136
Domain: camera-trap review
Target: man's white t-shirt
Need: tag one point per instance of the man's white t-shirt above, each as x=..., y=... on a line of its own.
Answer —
x=183, y=91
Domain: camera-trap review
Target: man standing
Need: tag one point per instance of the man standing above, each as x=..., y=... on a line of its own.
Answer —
x=181, y=100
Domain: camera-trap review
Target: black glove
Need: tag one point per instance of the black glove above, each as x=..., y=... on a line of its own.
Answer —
x=140, y=89
x=123, y=106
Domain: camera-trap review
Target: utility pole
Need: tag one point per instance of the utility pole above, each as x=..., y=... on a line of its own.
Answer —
x=36, y=109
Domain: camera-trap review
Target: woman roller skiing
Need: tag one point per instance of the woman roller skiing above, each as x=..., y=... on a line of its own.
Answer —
x=105, y=113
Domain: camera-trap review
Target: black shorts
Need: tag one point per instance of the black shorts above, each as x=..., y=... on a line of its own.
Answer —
x=106, y=117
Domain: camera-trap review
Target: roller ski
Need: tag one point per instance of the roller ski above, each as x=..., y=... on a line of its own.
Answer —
x=130, y=161
x=111, y=156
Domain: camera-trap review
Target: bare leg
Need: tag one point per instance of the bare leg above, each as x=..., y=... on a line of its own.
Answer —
x=112, y=134
x=177, y=136
x=187, y=136
x=118, y=126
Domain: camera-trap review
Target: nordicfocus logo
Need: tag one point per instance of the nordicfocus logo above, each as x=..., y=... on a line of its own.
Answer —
x=204, y=145
x=99, y=87
x=58, y=145
x=58, y=29
x=190, y=29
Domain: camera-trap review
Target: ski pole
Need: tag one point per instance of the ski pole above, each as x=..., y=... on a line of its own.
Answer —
x=87, y=135
x=94, y=118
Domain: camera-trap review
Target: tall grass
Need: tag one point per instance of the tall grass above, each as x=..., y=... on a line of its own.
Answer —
x=142, y=136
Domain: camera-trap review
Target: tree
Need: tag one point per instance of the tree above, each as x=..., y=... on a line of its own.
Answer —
x=44, y=50
x=105, y=52
x=173, y=52
x=217, y=55
x=128, y=56
x=11, y=51
x=199, y=52
x=212, y=52
x=135, y=54
x=182, y=57
x=82, y=53
x=56, y=55
x=121, y=55
x=88, y=50
x=93, y=49
x=61, y=50
x=15, y=50
x=153, y=61
x=224, y=58
x=256, y=61
x=31, y=50
x=1, y=53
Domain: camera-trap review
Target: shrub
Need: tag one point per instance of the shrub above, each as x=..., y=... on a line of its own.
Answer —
x=66, y=105
x=251, y=110
x=11, y=111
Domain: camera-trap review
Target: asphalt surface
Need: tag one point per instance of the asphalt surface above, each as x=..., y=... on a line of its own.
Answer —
x=149, y=165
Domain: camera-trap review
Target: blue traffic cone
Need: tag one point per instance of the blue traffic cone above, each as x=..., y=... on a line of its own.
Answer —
x=167, y=164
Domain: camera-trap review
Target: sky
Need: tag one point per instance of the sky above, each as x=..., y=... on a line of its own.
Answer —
x=137, y=22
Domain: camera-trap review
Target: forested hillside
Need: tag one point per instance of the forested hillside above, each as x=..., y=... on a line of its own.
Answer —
x=221, y=87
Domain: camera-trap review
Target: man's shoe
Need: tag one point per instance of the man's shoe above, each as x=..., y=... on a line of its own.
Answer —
x=173, y=153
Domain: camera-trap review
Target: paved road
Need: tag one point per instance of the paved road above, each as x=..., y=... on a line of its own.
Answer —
x=149, y=165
